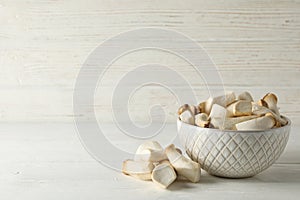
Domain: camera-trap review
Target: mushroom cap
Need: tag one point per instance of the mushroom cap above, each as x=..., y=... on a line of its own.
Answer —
x=182, y=108
x=262, y=102
x=270, y=97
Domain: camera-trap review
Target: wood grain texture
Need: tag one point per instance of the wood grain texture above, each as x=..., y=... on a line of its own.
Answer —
x=47, y=161
x=43, y=44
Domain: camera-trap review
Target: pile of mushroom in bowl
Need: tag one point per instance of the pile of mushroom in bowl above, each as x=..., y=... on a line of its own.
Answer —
x=234, y=136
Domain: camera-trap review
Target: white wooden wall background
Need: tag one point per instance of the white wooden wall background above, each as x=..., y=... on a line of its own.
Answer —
x=43, y=43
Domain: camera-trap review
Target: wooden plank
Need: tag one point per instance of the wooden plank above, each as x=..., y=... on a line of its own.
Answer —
x=55, y=104
x=59, y=142
x=255, y=45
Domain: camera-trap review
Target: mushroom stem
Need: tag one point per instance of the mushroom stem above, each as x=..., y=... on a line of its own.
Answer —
x=193, y=109
x=223, y=100
x=239, y=108
x=261, y=111
x=245, y=96
x=183, y=166
x=202, y=120
x=229, y=123
x=150, y=151
x=271, y=100
x=187, y=117
x=201, y=107
x=218, y=111
x=261, y=123
x=139, y=169
x=164, y=174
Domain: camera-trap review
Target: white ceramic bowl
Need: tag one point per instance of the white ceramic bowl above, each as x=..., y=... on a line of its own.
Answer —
x=233, y=154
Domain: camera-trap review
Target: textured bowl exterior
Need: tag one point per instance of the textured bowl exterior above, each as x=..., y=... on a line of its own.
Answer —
x=233, y=154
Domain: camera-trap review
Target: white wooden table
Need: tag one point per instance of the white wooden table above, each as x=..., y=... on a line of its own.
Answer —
x=47, y=161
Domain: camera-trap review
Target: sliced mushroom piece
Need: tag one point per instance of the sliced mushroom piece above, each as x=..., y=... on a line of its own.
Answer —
x=193, y=109
x=150, y=144
x=245, y=96
x=239, y=108
x=261, y=123
x=223, y=100
x=183, y=166
x=163, y=174
x=261, y=111
x=218, y=111
x=201, y=120
x=279, y=121
x=271, y=100
x=150, y=151
x=187, y=117
x=183, y=108
x=201, y=107
x=229, y=123
x=139, y=169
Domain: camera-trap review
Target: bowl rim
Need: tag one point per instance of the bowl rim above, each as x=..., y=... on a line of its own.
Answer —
x=241, y=131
